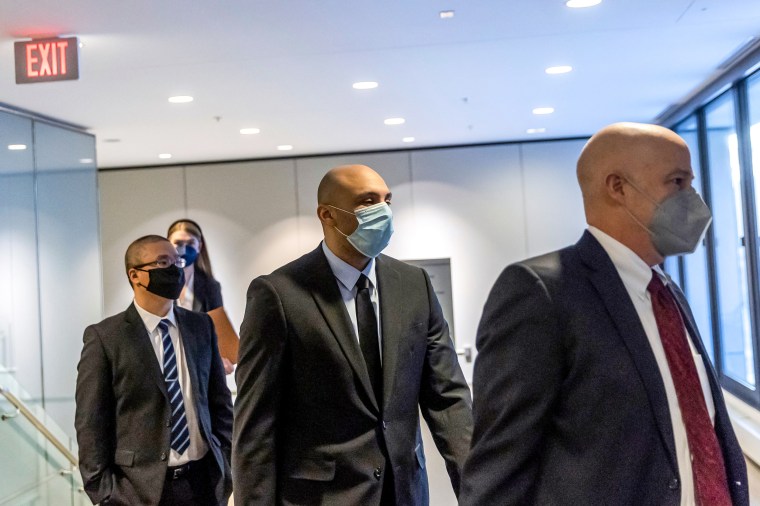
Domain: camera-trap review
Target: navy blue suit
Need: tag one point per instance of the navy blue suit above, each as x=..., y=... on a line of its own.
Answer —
x=569, y=403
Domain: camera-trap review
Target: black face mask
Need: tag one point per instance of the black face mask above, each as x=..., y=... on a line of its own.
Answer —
x=167, y=282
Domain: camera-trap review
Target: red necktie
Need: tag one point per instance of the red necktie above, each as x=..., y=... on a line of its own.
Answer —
x=708, y=468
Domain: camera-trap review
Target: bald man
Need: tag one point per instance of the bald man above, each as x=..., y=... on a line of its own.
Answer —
x=592, y=385
x=339, y=352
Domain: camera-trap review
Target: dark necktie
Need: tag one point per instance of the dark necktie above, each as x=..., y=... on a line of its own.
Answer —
x=708, y=468
x=180, y=435
x=369, y=341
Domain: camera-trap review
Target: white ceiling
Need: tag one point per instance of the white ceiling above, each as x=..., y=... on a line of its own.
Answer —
x=286, y=67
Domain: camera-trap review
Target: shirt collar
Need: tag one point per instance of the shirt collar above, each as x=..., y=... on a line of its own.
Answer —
x=151, y=321
x=634, y=271
x=347, y=274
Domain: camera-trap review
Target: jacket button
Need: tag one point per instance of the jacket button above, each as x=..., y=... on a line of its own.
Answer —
x=378, y=473
x=163, y=456
x=385, y=426
x=169, y=423
x=673, y=485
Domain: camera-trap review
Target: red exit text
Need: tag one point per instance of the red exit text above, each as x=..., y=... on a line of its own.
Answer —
x=43, y=60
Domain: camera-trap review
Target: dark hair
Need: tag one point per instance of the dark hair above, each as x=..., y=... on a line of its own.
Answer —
x=133, y=256
x=203, y=263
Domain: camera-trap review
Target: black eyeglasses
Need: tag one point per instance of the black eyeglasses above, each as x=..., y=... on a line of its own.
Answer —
x=163, y=263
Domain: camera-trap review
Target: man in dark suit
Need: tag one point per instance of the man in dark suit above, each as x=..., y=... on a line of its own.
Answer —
x=153, y=411
x=339, y=350
x=592, y=385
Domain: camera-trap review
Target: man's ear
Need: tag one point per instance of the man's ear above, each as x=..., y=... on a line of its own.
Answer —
x=133, y=276
x=615, y=186
x=325, y=214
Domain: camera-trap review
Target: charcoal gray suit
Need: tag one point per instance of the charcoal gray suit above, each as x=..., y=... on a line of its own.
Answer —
x=308, y=428
x=570, y=406
x=123, y=413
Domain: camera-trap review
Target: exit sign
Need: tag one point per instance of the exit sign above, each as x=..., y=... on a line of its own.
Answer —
x=43, y=60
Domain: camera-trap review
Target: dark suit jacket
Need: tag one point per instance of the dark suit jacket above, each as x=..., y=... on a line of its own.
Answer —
x=207, y=292
x=308, y=428
x=570, y=406
x=123, y=413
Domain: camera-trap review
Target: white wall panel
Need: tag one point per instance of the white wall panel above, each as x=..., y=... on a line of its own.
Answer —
x=134, y=203
x=553, y=203
x=248, y=215
x=469, y=207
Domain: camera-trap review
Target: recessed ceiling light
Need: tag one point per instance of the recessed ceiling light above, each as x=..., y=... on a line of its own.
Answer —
x=365, y=85
x=249, y=131
x=16, y=147
x=407, y=139
x=85, y=160
x=446, y=14
x=394, y=121
x=579, y=4
x=165, y=156
x=111, y=140
x=535, y=130
x=543, y=110
x=285, y=147
x=181, y=99
x=560, y=69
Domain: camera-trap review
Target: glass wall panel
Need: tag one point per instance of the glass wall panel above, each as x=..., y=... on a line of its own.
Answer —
x=69, y=258
x=19, y=297
x=695, y=276
x=730, y=251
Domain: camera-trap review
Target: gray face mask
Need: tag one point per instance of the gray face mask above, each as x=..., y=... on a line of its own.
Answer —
x=679, y=222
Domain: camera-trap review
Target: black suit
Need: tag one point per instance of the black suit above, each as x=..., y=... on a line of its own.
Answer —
x=122, y=411
x=308, y=428
x=570, y=406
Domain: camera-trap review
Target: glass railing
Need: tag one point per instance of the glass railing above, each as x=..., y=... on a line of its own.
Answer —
x=38, y=464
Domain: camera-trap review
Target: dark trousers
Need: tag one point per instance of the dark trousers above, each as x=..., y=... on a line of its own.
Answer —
x=193, y=487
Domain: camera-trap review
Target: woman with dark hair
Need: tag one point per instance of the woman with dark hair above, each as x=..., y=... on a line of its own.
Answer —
x=202, y=292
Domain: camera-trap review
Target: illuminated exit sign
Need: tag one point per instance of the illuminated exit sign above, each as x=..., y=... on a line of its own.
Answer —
x=43, y=60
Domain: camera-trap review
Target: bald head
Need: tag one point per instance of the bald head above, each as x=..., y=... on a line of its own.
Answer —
x=623, y=148
x=342, y=179
x=624, y=171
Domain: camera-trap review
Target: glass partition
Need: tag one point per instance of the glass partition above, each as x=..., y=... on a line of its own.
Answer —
x=730, y=244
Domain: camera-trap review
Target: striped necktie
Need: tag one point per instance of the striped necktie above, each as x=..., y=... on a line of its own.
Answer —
x=180, y=435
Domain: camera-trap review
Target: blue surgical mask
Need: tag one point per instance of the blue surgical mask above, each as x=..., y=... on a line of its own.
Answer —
x=374, y=231
x=189, y=253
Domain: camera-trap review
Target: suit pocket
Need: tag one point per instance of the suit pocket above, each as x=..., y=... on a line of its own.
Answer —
x=124, y=458
x=314, y=470
x=420, y=453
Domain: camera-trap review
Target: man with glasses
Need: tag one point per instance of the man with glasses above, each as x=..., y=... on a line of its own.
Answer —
x=153, y=412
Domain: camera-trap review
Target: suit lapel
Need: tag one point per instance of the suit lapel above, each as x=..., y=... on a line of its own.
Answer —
x=606, y=280
x=389, y=289
x=142, y=347
x=324, y=289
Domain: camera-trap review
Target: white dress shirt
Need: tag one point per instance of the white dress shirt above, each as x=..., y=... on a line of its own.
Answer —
x=347, y=276
x=198, y=446
x=187, y=297
x=636, y=275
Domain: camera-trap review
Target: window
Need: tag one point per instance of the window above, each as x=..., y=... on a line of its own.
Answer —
x=695, y=275
x=727, y=204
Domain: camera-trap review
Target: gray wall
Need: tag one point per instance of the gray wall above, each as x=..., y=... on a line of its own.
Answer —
x=482, y=207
